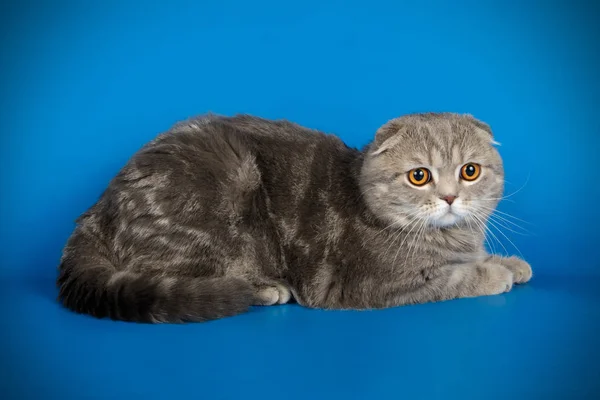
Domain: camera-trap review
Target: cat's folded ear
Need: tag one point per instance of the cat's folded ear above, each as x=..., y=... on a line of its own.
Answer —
x=483, y=127
x=387, y=137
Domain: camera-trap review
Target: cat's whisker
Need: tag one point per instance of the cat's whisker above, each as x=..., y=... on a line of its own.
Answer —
x=503, y=213
x=475, y=229
x=414, y=242
x=497, y=199
x=393, y=238
x=417, y=218
x=393, y=232
x=486, y=237
x=388, y=227
x=488, y=225
x=506, y=220
x=482, y=220
x=508, y=224
x=508, y=196
x=503, y=223
x=468, y=221
x=519, y=189
x=415, y=215
x=500, y=223
x=506, y=237
x=420, y=234
x=403, y=241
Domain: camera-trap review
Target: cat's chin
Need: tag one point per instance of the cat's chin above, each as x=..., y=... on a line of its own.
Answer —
x=447, y=220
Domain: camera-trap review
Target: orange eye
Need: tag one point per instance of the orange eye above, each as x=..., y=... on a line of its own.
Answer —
x=419, y=176
x=470, y=172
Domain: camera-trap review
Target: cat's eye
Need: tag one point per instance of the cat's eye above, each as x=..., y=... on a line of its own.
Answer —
x=419, y=176
x=470, y=172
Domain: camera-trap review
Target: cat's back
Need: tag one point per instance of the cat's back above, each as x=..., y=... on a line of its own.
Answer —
x=216, y=160
x=252, y=128
x=217, y=141
x=214, y=146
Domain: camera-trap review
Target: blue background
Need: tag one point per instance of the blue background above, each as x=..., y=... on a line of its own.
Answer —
x=84, y=84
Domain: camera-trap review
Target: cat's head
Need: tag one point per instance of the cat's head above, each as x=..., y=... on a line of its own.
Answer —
x=433, y=170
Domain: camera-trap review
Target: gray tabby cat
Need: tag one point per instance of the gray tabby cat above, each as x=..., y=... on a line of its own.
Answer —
x=219, y=214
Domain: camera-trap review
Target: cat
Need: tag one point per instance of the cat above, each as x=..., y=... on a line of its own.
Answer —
x=222, y=213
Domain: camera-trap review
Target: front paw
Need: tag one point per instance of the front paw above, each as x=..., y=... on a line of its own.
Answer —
x=521, y=269
x=493, y=279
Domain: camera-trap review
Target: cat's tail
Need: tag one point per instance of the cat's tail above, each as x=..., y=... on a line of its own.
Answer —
x=91, y=284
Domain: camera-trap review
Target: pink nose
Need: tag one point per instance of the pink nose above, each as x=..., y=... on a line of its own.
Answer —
x=449, y=199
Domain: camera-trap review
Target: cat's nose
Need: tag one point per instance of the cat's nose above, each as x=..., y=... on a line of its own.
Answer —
x=449, y=199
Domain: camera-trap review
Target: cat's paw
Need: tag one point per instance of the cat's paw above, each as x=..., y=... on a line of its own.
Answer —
x=521, y=269
x=270, y=295
x=494, y=279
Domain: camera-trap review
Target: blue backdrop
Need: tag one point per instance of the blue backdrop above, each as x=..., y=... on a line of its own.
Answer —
x=84, y=84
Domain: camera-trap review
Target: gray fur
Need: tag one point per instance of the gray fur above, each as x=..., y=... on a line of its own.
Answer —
x=219, y=214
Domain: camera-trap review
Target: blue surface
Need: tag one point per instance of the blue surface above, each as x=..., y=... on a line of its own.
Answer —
x=84, y=84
